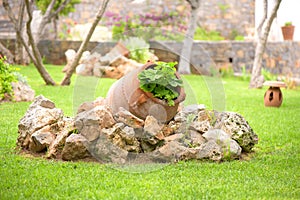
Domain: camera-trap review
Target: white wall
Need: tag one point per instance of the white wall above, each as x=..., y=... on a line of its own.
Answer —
x=289, y=10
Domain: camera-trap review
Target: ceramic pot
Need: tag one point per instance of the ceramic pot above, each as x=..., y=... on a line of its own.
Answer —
x=288, y=32
x=273, y=97
x=126, y=93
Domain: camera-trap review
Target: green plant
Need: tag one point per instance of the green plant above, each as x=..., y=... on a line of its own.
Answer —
x=139, y=49
x=245, y=75
x=202, y=34
x=161, y=81
x=6, y=78
x=268, y=76
x=288, y=24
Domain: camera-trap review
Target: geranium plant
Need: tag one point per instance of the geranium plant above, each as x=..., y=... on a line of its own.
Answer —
x=161, y=81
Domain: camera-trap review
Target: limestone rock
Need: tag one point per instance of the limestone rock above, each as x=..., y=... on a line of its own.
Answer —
x=188, y=113
x=170, y=152
x=123, y=136
x=63, y=129
x=75, y=148
x=41, y=139
x=100, y=101
x=231, y=148
x=22, y=91
x=152, y=127
x=196, y=138
x=175, y=137
x=99, y=70
x=200, y=126
x=105, y=151
x=210, y=150
x=128, y=118
x=89, y=123
x=238, y=128
x=41, y=112
x=70, y=55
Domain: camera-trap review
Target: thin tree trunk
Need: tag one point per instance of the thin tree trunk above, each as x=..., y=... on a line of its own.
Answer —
x=185, y=55
x=71, y=70
x=36, y=53
x=263, y=33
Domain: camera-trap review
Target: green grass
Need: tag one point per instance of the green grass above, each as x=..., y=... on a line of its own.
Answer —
x=273, y=172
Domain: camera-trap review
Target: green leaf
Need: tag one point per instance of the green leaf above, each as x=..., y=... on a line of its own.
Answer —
x=161, y=81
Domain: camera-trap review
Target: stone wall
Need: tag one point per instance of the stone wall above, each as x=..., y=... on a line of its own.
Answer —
x=279, y=58
x=225, y=16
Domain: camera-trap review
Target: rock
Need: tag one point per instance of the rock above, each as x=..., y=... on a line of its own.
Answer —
x=128, y=118
x=41, y=112
x=22, y=91
x=117, y=51
x=231, y=148
x=175, y=137
x=153, y=128
x=75, y=148
x=70, y=55
x=99, y=70
x=170, y=128
x=63, y=129
x=123, y=136
x=112, y=72
x=189, y=154
x=148, y=142
x=100, y=101
x=238, y=128
x=89, y=123
x=193, y=109
x=170, y=152
x=196, y=138
x=105, y=151
x=210, y=150
x=188, y=113
x=80, y=69
x=41, y=139
x=125, y=65
x=200, y=126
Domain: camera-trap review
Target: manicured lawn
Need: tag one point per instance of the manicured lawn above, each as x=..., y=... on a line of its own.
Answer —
x=272, y=172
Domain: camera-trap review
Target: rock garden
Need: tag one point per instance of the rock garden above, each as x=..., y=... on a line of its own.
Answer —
x=142, y=119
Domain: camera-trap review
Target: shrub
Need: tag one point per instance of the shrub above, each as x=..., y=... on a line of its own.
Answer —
x=6, y=78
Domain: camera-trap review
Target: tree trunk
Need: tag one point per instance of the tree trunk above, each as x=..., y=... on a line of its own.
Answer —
x=37, y=60
x=263, y=33
x=185, y=56
x=71, y=70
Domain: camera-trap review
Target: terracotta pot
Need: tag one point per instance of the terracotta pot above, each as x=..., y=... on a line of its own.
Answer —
x=273, y=97
x=126, y=93
x=288, y=32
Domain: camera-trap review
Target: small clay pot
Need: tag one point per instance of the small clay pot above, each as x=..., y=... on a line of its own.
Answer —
x=273, y=97
x=126, y=93
x=288, y=32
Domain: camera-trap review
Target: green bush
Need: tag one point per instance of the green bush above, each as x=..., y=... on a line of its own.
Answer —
x=202, y=34
x=6, y=78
